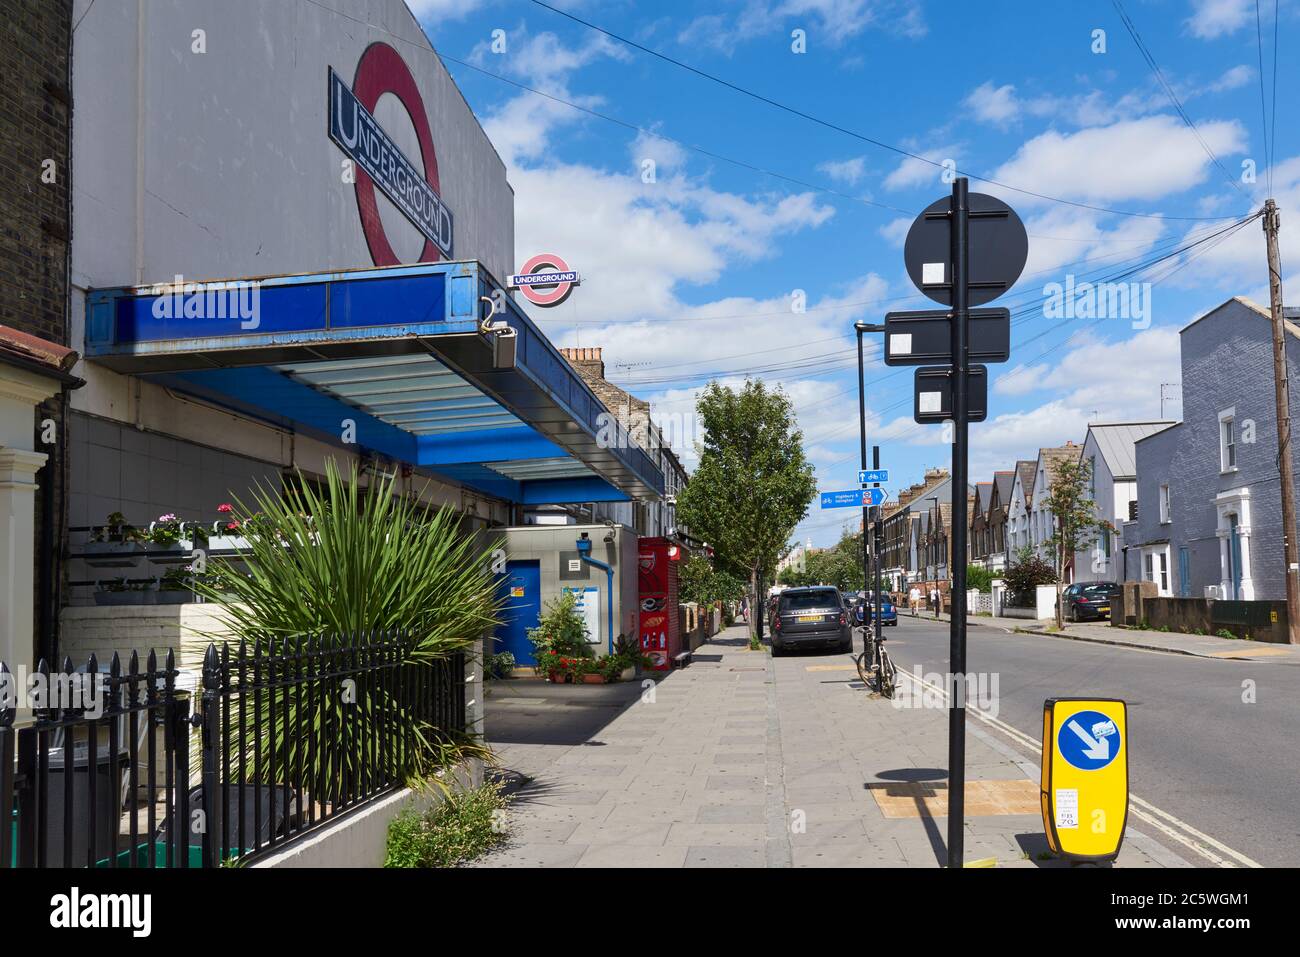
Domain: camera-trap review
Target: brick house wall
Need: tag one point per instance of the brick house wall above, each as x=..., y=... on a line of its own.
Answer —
x=35, y=162
x=34, y=116
x=1227, y=364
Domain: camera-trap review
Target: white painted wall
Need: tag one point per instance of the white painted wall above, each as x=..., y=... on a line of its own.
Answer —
x=218, y=164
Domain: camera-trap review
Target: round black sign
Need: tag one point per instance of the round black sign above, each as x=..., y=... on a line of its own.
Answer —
x=999, y=247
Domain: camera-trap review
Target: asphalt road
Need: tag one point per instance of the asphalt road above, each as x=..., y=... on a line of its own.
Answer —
x=1228, y=768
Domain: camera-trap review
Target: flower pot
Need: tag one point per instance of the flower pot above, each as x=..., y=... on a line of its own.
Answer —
x=628, y=673
x=227, y=543
x=177, y=554
x=112, y=554
x=593, y=679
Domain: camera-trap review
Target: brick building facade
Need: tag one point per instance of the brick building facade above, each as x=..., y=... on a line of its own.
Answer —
x=35, y=143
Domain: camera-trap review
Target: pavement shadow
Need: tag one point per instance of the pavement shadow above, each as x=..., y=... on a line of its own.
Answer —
x=914, y=774
x=938, y=843
x=533, y=711
x=739, y=641
x=1035, y=848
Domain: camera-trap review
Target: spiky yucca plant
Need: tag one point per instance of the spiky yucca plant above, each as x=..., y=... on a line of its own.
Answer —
x=322, y=567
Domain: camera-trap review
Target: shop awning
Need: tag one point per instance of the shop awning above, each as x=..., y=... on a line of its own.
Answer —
x=393, y=357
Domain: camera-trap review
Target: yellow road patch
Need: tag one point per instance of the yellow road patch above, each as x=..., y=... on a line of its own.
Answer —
x=1251, y=653
x=983, y=798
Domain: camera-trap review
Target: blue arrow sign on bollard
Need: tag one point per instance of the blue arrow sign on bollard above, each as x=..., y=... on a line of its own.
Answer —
x=856, y=498
x=873, y=475
x=1089, y=740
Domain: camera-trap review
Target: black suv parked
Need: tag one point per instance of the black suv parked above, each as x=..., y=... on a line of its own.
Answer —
x=811, y=617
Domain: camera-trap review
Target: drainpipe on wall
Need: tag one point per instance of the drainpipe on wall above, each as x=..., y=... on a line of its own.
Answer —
x=584, y=553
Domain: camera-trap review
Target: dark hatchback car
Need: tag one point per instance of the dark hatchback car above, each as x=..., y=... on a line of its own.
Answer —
x=813, y=617
x=1088, y=601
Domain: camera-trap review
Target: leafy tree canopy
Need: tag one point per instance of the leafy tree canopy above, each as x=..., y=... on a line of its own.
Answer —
x=753, y=483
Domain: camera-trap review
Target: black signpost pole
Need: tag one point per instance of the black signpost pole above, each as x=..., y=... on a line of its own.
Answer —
x=938, y=258
x=875, y=549
x=957, y=558
x=862, y=432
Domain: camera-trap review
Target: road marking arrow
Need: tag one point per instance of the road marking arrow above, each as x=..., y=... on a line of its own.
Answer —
x=1097, y=750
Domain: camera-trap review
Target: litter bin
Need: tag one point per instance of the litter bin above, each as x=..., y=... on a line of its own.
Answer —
x=108, y=803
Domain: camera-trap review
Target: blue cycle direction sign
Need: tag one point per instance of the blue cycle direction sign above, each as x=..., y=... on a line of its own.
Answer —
x=855, y=498
x=1089, y=740
x=873, y=475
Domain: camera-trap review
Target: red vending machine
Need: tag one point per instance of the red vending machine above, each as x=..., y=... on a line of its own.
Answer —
x=658, y=624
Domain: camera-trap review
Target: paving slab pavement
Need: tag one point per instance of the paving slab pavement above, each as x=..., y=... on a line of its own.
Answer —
x=742, y=760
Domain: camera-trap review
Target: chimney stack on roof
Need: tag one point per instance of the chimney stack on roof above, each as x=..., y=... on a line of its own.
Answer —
x=586, y=357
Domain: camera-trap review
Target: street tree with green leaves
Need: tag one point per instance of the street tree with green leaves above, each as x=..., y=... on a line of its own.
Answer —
x=699, y=581
x=840, y=565
x=753, y=484
x=1074, y=513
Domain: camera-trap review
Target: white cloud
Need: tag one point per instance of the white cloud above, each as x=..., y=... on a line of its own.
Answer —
x=828, y=23
x=1003, y=106
x=1063, y=236
x=914, y=171
x=520, y=130
x=894, y=232
x=1160, y=157
x=1237, y=76
x=847, y=171
x=1215, y=18
x=994, y=104
x=1236, y=266
x=668, y=155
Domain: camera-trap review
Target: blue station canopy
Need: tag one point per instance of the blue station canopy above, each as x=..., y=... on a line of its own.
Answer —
x=400, y=352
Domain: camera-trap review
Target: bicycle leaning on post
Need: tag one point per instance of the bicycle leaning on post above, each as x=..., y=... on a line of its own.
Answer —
x=875, y=667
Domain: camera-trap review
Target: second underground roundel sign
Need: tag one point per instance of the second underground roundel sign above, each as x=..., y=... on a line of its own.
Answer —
x=545, y=280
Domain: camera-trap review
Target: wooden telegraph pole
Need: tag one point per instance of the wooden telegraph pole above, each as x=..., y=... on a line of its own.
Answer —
x=1282, y=394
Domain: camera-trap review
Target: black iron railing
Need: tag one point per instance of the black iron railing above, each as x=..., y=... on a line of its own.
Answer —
x=283, y=736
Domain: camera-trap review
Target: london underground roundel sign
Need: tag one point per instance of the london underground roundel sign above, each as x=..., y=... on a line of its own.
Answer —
x=413, y=188
x=545, y=280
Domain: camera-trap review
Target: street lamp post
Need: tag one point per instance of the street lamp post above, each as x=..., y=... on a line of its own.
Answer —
x=860, y=328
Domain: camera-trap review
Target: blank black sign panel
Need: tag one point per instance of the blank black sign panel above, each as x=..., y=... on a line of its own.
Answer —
x=925, y=337
x=999, y=247
x=933, y=394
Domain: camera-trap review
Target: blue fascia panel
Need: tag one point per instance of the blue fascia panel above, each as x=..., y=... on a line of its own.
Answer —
x=133, y=320
x=570, y=491
x=487, y=445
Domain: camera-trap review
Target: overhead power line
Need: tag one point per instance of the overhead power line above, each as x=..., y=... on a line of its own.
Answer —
x=1024, y=307
x=836, y=127
x=1132, y=29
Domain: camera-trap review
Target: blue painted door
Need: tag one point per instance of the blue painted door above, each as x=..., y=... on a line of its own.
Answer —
x=1184, y=573
x=521, y=589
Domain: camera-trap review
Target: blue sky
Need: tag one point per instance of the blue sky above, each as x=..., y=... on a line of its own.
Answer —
x=697, y=271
